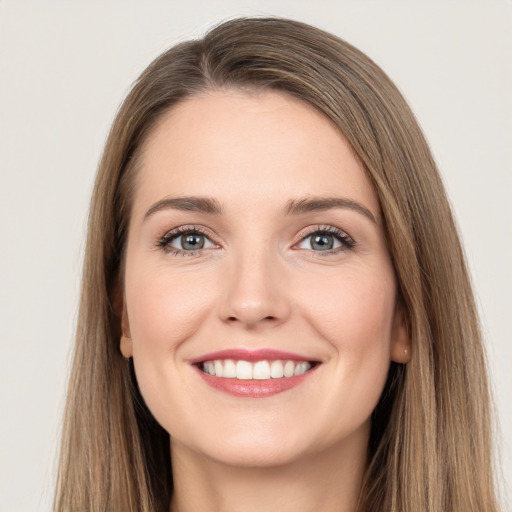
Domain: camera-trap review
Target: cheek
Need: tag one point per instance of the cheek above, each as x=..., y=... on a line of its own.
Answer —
x=165, y=309
x=354, y=314
x=163, y=306
x=354, y=311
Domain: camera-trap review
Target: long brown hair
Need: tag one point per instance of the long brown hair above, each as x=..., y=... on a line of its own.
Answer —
x=430, y=444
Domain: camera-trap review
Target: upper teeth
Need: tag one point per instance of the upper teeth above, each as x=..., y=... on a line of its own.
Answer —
x=259, y=370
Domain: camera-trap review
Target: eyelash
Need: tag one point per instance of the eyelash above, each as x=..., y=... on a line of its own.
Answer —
x=170, y=236
x=347, y=242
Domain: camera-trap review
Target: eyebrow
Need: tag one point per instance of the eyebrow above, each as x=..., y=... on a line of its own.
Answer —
x=188, y=204
x=320, y=204
x=293, y=207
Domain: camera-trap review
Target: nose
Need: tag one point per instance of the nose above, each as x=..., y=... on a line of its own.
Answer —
x=255, y=293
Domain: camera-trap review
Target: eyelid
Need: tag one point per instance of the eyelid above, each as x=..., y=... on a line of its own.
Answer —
x=347, y=242
x=170, y=235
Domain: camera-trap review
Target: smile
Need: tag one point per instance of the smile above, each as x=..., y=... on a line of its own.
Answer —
x=260, y=370
x=254, y=373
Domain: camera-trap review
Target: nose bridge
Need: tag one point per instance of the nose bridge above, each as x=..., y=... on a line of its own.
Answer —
x=254, y=291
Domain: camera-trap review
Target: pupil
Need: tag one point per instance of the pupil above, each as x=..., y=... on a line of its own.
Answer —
x=192, y=241
x=322, y=242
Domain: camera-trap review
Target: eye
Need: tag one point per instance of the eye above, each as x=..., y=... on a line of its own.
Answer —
x=190, y=242
x=184, y=240
x=326, y=240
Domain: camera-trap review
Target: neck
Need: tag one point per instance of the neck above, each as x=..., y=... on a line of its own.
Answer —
x=329, y=481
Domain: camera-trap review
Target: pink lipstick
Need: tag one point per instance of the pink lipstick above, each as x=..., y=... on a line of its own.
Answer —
x=254, y=373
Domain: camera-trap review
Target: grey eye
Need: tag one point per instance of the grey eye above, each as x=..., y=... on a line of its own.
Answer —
x=191, y=242
x=320, y=242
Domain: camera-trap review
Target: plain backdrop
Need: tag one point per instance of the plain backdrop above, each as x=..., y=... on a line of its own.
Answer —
x=65, y=67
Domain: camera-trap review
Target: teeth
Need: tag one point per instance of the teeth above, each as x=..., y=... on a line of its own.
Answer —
x=218, y=368
x=301, y=368
x=229, y=369
x=288, y=369
x=276, y=370
x=243, y=370
x=260, y=370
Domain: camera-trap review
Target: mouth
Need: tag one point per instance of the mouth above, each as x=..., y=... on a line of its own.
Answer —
x=254, y=374
x=259, y=370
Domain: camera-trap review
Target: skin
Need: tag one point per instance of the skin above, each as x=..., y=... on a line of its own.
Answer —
x=259, y=283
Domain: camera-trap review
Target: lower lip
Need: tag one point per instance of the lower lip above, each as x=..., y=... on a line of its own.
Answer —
x=254, y=388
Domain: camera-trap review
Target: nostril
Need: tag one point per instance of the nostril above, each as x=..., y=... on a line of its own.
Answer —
x=269, y=318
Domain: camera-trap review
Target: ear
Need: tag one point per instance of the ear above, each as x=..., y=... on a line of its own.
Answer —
x=400, y=339
x=125, y=345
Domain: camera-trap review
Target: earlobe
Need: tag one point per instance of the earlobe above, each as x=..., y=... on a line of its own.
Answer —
x=125, y=344
x=401, y=341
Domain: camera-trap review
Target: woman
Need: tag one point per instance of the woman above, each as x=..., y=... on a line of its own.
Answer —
x=275, y=310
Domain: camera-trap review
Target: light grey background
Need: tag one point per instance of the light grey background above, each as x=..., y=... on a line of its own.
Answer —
x=65, y=68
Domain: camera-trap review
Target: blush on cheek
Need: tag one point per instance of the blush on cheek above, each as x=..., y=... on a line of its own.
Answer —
x=364, y=370
x=363, y=320
x=164, y=308
x=357, y=321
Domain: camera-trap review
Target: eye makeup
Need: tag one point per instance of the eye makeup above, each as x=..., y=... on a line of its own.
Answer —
x=325, y=240
x=192, y=240
x=188, y=237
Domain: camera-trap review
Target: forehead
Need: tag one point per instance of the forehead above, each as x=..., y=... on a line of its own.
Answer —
x=256, y=147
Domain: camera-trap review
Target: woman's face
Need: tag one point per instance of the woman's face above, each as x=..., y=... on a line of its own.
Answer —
x=255, y=252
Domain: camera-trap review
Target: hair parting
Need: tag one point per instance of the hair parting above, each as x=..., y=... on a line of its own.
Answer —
x=430, y=447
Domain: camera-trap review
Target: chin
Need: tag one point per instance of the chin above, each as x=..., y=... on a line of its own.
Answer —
x=276, y=445
x=256, y=453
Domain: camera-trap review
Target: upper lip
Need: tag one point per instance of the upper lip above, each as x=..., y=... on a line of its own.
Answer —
x=251, y=355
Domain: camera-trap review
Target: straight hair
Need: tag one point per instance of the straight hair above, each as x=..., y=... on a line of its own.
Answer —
x=430, y=441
